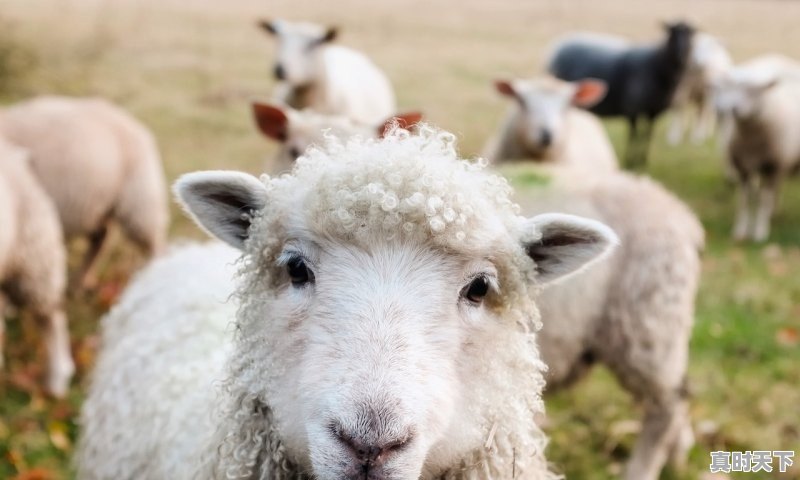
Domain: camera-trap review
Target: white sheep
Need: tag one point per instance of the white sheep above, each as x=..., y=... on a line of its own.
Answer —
x=761, y=100
x=33, y=261
x=385, y=326
x=296, y=130
x=546, y=125
x=332, y=79
x=633, y=311
x=98, y=164
x=693, y=102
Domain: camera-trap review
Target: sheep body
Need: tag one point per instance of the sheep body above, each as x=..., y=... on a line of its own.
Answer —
x=383, y=215
x=194, y=338
x=97, y=164
x=328, y=78
x=761, y=101
x=33, y=260
x=636, y=308
x=544, y=108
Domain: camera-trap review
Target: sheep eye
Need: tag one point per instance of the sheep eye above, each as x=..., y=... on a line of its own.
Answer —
x=477, y=289
x=298, y=272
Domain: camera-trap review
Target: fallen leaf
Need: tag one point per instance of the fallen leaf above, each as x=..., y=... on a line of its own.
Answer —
x=35, y=474
x=58, y=436
x=787, y=337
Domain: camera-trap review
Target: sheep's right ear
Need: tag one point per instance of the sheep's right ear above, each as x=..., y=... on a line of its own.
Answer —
x=268, y=26
x=404, y=120
x=589, y=92
x=272, y=121
x=222, y=203
x=561, y=245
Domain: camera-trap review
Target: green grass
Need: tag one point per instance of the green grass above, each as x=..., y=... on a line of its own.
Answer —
x=189, y=70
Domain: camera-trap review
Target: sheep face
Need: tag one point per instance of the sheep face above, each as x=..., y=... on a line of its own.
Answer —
x=298, y=45
x=372, y=295
x=543, y=105
x=740, y=96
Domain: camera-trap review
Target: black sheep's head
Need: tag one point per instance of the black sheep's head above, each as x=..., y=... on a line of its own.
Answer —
x=679, y=40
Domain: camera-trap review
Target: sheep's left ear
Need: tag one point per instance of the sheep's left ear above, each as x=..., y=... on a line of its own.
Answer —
x=404, y=120
x=330, y=35
x=268, y=26
x=589, y=92
x=272, y=121
x=222, y=203
x=565, y=244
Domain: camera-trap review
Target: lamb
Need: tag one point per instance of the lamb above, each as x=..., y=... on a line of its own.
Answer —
x=641, y=79
x=544, y=124
x=296, y=130
x=384, y=328
x=693, y=102
x=636, y=308
x=99, y=165
x=761, y=99
x=331, y=79
x=33, y=261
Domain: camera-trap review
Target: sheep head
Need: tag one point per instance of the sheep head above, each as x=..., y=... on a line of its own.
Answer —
x=387, y=317
x=543, y=104
x=298, y=44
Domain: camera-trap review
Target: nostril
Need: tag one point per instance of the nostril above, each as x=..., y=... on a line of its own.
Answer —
x=546, y=138
x=370, y=453
x=279, y=72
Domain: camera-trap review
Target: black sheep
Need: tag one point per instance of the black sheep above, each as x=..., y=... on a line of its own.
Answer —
x=641, y=79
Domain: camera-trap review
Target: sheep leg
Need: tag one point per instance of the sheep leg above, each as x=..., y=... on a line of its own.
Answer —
x=663, y=427
x=60, y=364
x=632, y=147
x=638, y=157
x=88, y=273
x=705, y=121
x=767, y=198
x=746, y=193
x=677, y=125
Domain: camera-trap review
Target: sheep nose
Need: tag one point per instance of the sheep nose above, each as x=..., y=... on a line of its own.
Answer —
x=279, y=72
x=546, y=138
x=371, y=454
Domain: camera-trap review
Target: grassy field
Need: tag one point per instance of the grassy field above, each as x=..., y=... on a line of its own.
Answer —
x=189, y=69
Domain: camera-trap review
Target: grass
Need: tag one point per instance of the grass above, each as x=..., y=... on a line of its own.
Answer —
x=188, y=70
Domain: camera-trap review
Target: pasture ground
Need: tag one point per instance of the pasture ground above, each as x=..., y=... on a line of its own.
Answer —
x=189, y=68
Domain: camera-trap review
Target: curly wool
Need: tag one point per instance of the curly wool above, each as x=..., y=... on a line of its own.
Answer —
x=401, y=187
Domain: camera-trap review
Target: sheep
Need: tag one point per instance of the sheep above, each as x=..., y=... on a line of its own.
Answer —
x=33, y=261
x=636, y=308
x=384, y=328
x=693, y=102
x=761, y=100
x=544, y=125
x=641, y=79
x=296, y=130
x=332, y=79
x=98, y=164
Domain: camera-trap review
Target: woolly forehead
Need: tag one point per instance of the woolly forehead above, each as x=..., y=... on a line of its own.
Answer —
x=398, y=188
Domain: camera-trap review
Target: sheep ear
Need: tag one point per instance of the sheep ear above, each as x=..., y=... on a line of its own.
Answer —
x=222, y=203
x=330, y=35
x=589, y=92
x=272, y=121
x=506, y=88
x=404, y=120
x=268, y=26
x=565, y=244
